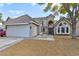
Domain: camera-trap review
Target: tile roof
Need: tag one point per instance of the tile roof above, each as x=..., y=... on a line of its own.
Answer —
x=22, y=19
x=63, y=19
x=25, y=19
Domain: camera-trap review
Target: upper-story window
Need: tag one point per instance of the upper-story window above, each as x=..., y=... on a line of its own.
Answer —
x=60, y=24
x=64, y=23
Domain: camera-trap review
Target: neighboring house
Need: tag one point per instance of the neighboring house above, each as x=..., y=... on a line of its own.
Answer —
x=2, y=26
x=26, y=26
x=23, y=26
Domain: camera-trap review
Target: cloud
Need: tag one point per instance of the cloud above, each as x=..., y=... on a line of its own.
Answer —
x=16, y=11
x=8, y=3
x=1, y=4
x=33, y=4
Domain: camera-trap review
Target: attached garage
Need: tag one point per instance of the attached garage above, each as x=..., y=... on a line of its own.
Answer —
x=77, y=29
x=18, y=30
x=22, y=26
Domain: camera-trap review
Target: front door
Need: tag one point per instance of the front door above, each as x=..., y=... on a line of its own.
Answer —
x=50, y=28
x=50, y=31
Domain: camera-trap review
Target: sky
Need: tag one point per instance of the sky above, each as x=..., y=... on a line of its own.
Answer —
x=14, y=10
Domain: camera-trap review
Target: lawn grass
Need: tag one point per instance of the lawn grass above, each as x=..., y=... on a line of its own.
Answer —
x=61, y=46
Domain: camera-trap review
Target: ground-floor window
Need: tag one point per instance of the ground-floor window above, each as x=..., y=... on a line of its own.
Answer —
x=67, y=29
x=58, y=29
x=63, y=30
x=43, y=29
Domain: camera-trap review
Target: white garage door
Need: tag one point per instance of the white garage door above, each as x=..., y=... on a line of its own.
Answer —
x=77, y=32
x=18, y=31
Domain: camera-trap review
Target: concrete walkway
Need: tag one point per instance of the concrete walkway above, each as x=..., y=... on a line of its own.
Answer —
x=7, y=42
x=44, y=37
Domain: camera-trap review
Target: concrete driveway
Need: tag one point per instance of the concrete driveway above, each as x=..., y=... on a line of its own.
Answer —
x=6, y=42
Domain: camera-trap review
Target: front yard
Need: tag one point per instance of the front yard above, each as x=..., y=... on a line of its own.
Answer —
x=62, y=45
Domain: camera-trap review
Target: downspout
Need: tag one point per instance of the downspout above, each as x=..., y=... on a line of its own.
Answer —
x=42, y=27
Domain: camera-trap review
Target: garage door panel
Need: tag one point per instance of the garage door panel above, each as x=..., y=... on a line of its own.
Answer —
x=18, y=31
x=77, y=32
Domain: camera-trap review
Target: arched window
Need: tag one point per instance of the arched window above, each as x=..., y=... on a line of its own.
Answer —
x=58, y=29
x=64, y=23
x=60, y=24
x=63, y=28
x=50, y=23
